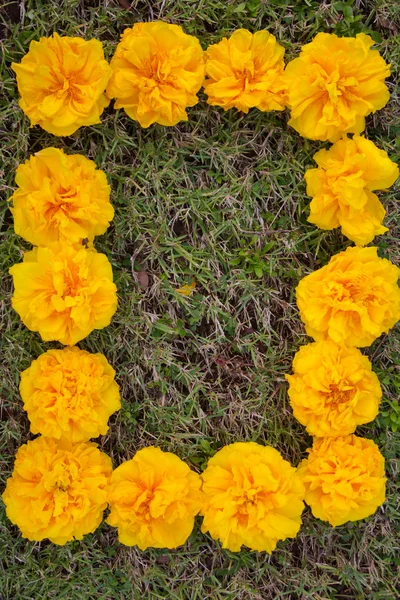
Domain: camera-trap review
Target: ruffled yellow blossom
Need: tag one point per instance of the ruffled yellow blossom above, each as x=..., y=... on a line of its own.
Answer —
x=253, y=497
x=70, y=394
x=62, y=81
x=352, y=300
x=342, y=187
x=58, y=490
x=333, y=389
x=246, y=71
x=154, y=499
x=64, y=292
x=344, y=478
x=60, y=197
x=334, y=84
x=157, y=72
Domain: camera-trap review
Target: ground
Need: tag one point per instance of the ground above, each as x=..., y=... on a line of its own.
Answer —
x=221, y=199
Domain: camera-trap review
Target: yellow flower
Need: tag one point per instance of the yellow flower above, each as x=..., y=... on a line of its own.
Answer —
x=246, y=70
x=157, y=72
x=58, y=490
x=352, y=300
x=342, y=188
x=70, y=394
x=334, y=84
x=62, y=81
x=344, y=478
x=154, y=498
x=333, y=389
x=253, y=497
x=64, y=292
x=60, y=197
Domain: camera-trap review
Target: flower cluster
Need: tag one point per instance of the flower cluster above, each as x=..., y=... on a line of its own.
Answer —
x=246, y=71
x=58, y=489
x=248, y=495
x=344, y=478
x=333, y=389
x=352, y=300
x=154, y=498
x=64, y=292
x=334, y=84
x=342, y=188
x=62, y=81
x=60, y=198
x=157, y=71
x=253, y=497
x=70, y=394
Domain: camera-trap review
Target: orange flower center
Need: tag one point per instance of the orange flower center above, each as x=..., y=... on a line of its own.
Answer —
x=61, y=476
x=158, y=69
x=358, y=290
x=67, y=83
x=339, y=395
x=334, y=86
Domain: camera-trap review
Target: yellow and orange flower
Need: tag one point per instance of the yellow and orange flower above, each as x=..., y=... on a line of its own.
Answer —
x=344, y=478
x=154, y=499
x=58, y=490
x=64, y=292
x=70, y=394
x=333, y=389
x=62, y=81
x=60, y=197
x=342, y=187
x=246, y=71
x=157, y=72
x=352, y=300
x=253, y=497
x=334, y=84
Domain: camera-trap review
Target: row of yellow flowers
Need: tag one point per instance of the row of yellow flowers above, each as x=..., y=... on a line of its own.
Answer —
x=157, y=71
x=248, y=494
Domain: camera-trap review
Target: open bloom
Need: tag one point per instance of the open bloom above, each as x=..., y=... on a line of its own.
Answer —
x=246, y=70
x=333, y=389
x=64, y=292
x=70, y=393
x=60, y=197
x=62, y=81
x=253, y=497
x=334, y=84
x=344, y=478
x=157, y=72
x=154, y=498
x=342, y=188
x=352, y=300
x=58, y=490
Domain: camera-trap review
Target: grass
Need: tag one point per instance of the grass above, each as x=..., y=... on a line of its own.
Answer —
x=222, y=199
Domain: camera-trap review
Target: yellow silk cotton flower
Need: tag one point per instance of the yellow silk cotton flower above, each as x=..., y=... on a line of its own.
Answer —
x=333, y=389
x=154, y=499
x=344, y=478
x=246, y=70
x=334, y=84
x=253, y=497
x=352, y=300
x=70, y=394
x=157, y=72
x=342, y=187
x=58, y=490
x=64, y=292
x=60, y=197
x=62, y=81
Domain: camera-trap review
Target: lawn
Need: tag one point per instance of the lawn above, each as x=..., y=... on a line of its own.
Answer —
x=221, y=199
